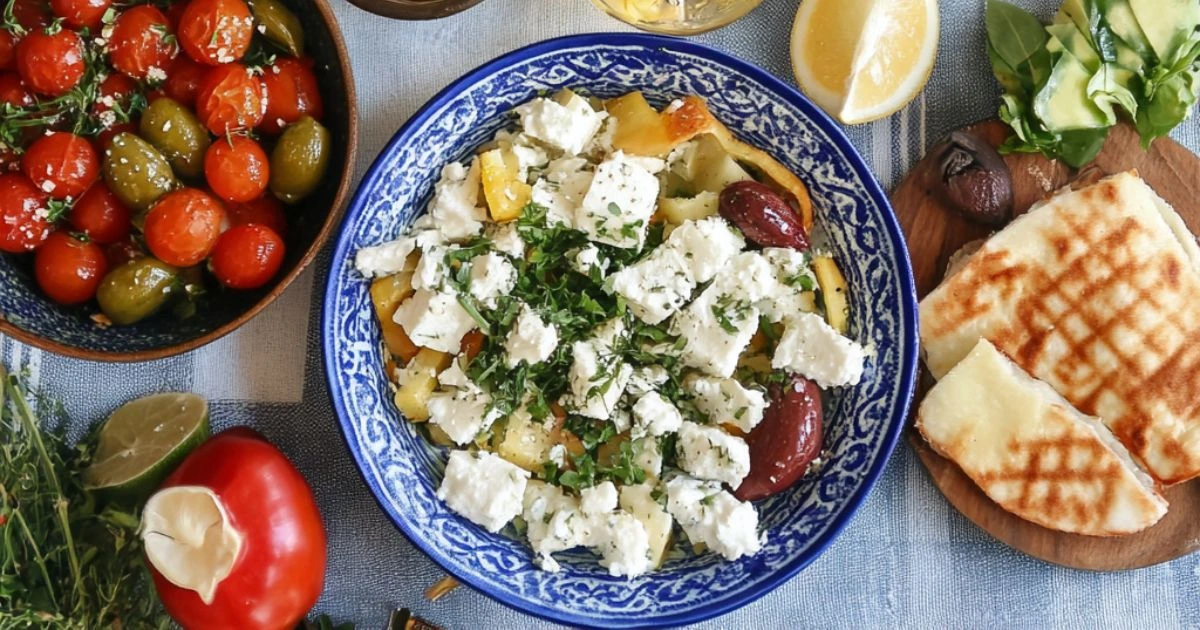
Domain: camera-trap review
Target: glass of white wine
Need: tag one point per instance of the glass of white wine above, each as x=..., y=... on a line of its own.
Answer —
x=677, y=17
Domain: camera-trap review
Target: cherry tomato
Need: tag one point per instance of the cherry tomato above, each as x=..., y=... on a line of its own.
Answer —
x=69, y=269
x=230, y=98
x=32, y=15
x=266, y=210
x=8, y=54
x=140, y=46
x=23, y=214
x=103, y=139
x=182, y=227
x=61, y=164
x=292, y=92
x=215, y=32
x=115, y=92
x=50, y=64
x=13, y=91
x=100, y=215
x=183, y=80
x=81, y=13
x=278, y=574
x=247, y=256
x=174, y=12
x=236, y=169
x=122, y=252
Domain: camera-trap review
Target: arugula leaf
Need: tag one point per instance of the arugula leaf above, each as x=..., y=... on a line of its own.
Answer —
x=1014, y=34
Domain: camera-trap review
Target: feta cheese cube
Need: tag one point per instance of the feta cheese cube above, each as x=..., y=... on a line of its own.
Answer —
x=712, y=454
x=598, y=499
x=791, y=292
x=492, y=276
x=454, y=376
x=597, y=380
x=562, y=189
x=706, y=246
x=431, y=268
x=812, y=348
x=434, y=320
x=726, y=401
x=716, y=327
x=554, y=522
x=484, y=488
x=529, y=158
x=657, y=286
x=455, y=207
x=621, y=418
x=653, y=416
x=462, y=412
x=646, y=379
x=506, y=240
x=531, y=340
x=648, y=456
x=747, y=276
x=714, y=517
x=623, y=545
x=619, y=203
x=567, y=127
x=589, y=258
x=384, y=259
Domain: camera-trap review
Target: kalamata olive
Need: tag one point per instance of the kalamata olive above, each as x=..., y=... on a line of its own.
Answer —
x=787, y=440
x=971, y=177
x=762, y=215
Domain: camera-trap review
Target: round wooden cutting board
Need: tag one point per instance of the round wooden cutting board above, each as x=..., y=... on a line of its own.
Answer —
x=934, y=232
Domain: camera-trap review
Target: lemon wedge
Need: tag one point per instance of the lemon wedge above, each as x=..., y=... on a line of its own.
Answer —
x=864, y=60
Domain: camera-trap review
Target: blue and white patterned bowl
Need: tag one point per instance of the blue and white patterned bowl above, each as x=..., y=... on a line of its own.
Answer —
x=863, y=423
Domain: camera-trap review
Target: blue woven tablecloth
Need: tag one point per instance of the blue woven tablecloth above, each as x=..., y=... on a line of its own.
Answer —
x=907, y=560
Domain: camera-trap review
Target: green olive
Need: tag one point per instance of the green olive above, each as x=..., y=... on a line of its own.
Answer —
x=279, y=25
x=136, y=172
x=299, y=160
x=177, y=134
x=136, y=290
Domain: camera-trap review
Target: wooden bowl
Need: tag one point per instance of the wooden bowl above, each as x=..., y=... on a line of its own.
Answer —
x=28, y=316
x=415, y=9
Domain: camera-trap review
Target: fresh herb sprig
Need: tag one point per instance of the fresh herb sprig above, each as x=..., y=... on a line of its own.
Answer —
x=65, y=562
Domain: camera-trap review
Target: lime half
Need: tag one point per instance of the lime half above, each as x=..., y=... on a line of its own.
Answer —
x=143, y=441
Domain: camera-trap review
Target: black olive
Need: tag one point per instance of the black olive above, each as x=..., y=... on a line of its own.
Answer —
x=972, y=178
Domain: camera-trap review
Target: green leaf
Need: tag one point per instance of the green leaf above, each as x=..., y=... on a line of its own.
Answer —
x=1171, y=104
x=1014, y=34
x=1079, y=147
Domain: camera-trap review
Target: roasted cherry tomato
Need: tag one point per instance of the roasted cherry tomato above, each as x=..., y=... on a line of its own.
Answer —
x=23, y=214
x=183, y=80
x=104, y=138
x=236, y=169
x=81, y=13
x=8, y=51
x=69, y=269
x=115, y=92
x=13, y=91
x=122, y=252
x=266, y=210
x=215, y=32
x=141, y=45
x=785, y=443
x=275, y=538
x=182, y=227
x=230, y=98
x=32, y=15
x=100, y=215
x=292, y=92
x=50, y=64
x=61, y=164
x=247, y=256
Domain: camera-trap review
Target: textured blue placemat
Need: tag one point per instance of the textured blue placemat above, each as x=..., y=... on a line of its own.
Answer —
x=907, y=560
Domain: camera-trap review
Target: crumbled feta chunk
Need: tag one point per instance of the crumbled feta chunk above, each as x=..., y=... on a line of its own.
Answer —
x=619, y=203
x=812, y=348
x=462, y=412
x=484, y=488
x=589, y=258
x=621, y=418
x=567, y=127
x=562, y=189
x=657, y=286
x=529, y=158
x=706, y=246
x=716, y=327
x=726, y=401
x=492, y=276
x=648, y=456
x=531, y=340
x=598, y=499
x=794, y=282
x=646, y=379
x=454, y=376
x=597, y=380
x=623, y=545
x=712, y=454
x=602, y=142
x=558, y=455
x=506, y=240
x=712, y=516
x=434, y=320
x=384, y=259
x=554, y=522
x=455, y=198
x=653, y=416
x=431, y=268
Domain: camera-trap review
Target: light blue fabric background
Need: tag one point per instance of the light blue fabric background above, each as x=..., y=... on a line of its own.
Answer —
x=907, y=559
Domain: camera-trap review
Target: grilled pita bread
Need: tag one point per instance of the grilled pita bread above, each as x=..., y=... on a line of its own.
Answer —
x=1034, y=454
x=1096, y=292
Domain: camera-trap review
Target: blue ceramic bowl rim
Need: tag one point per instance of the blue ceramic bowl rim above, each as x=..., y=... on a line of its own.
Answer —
x=907, y=294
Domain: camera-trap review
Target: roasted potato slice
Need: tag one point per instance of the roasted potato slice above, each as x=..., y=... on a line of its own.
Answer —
x=505, y=193
x=676, y=210
x=412, y=398
x=833, y=293
x=641, y=130
x=386, y=294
